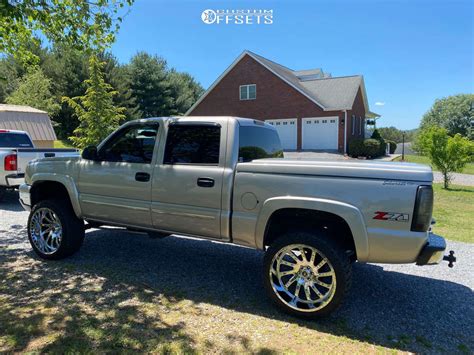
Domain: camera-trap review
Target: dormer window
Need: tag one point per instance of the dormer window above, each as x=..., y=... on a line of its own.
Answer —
x=248, y=92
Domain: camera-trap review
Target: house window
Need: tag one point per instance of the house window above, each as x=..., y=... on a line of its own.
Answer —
x=325, y=121
x=248, y=92
x=333, y=121
x=360, y=125
x=317, y=121
x=292, y=122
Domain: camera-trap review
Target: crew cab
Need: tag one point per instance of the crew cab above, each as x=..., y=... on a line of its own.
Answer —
x=225, y=179
x=16, y=150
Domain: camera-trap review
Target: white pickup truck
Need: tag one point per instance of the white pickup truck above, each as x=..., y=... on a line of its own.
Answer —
x=223, y=178
x=16, y=150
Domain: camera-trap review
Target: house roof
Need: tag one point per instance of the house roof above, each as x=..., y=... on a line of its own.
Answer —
x=19, y=108
x=329, y=93
x=28, y=119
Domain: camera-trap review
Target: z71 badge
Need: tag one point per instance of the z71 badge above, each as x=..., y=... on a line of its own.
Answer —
x=392, y=216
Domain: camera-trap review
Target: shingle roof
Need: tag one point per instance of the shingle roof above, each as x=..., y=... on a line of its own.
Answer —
x=334, y=93
x=19, y=108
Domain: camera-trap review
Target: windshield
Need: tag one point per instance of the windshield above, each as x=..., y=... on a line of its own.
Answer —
x=15, y=140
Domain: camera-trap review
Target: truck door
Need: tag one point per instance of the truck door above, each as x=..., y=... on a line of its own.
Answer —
x=187, y=182
x=117, y=187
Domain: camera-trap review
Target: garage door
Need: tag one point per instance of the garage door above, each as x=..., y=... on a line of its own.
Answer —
x=286, y=129
x=320, y=133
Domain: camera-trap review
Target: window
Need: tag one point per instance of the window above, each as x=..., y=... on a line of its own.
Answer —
x=324, y=121
x=333, y=121
x=193, y=144
x=131, y=144
x=353, y=124
x=258, y=143
x=14, y=140
x=248, y=92
x=360, y=125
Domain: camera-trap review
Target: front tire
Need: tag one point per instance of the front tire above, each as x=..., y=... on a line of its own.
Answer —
x=54, y=231
x=306, y=274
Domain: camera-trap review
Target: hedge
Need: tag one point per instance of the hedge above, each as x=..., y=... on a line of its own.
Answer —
x=393, y=146
x=364, y=148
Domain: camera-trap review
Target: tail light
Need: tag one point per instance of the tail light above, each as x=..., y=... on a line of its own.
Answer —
x=10, y=162
x=423, y=209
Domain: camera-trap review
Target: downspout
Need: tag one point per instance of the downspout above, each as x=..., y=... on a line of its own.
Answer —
x=345, y=130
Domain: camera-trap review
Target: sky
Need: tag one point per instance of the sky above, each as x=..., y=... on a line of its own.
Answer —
x=410, y=52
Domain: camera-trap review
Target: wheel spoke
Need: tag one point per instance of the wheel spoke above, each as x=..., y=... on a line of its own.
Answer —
x=290, y=282
x=325, y=274
x=321, y=264
x=46, y=230
x=307, y=292
x=320, y=283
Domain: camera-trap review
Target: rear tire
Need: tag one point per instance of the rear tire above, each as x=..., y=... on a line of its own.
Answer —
x=306, y=274
x=54, y=231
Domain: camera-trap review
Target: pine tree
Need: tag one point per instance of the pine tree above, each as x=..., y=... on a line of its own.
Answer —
x=97, y=114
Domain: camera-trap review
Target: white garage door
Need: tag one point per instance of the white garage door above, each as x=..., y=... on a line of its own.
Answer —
x=320, y=132
x=286, y=129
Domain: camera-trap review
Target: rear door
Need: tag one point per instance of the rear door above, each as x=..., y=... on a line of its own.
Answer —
x=118, y=187
x=187, y=182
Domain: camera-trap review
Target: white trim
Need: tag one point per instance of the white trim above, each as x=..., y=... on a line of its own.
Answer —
x=345, y=131
x=234, y=63
x=248, y=92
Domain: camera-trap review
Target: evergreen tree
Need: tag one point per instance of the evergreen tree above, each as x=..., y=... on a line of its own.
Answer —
x=150, y=85
x=97, y=114
x=184, y=91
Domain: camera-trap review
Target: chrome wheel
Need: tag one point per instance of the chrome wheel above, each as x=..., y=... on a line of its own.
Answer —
x=46, y=230
x=302, y=278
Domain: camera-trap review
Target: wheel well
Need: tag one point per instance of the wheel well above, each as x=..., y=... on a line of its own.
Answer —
x=44, y=190
x=283, y=220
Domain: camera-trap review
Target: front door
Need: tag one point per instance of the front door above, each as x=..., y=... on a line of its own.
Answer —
x=117, y=187
x=187, y=184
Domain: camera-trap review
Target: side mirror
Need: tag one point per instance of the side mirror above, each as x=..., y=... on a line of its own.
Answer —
x=90, y=153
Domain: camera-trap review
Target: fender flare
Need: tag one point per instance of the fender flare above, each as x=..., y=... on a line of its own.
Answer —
x=65, y=180
x=347, y=212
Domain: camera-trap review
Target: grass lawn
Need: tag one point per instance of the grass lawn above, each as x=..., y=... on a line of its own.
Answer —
x=62, y=144
x=469, y=169
x=454, y=211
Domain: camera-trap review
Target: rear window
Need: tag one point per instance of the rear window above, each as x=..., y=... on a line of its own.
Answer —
x=258, y=143
x=14, y=140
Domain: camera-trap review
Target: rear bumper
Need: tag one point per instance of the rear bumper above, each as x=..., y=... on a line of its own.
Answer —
x=433, y=251
x=15, y=180
x=25, y=197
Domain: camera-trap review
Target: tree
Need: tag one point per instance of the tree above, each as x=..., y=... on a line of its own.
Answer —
x=85, y=25
x=150, y=86
x=34, y=90
x=448, y=154
x=95, y=110
x=184, y=90
x=453, y=113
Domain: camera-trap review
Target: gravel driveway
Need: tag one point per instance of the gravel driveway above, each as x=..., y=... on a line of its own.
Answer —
x=418, y=309
x=457, y=178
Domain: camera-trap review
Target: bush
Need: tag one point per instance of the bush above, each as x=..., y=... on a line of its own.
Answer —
x=372, y=148
x=393, y=146
x=356, y=148
x=382, y=146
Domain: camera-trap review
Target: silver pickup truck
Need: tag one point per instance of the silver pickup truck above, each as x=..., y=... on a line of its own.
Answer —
x=16, y=150
x=223, y=178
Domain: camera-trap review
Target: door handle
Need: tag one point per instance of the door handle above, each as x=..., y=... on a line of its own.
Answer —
x=49, y=155
x=205, y=182
x=142, y=177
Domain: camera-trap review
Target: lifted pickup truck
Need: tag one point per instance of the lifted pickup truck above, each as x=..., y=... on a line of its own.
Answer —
x=16, y=150
x=222, y=178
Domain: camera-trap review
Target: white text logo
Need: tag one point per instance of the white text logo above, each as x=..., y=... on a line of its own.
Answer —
x=237, y=17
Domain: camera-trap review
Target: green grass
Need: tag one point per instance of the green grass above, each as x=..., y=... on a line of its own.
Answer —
x=453, y=211
x=469, y=169
x=62, y=144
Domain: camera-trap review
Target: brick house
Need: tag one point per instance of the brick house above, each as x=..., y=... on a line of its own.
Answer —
x=310, y=109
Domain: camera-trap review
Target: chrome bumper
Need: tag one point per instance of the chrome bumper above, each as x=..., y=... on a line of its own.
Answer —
x=25, y=197
x=15, y=180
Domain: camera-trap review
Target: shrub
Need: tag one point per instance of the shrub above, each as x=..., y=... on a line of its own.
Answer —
x=376, y=134
x=356, y=148
x=382, y=147
x=393, y=146
x=372, y=148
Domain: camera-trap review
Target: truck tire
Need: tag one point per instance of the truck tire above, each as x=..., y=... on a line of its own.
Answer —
x=54, y=231
x=306, y=274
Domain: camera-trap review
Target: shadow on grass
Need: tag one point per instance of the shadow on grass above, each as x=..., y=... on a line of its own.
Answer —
x=100, y=299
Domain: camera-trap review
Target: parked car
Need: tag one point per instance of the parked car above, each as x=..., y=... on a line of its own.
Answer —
x=16, y=150
x=198, y=177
